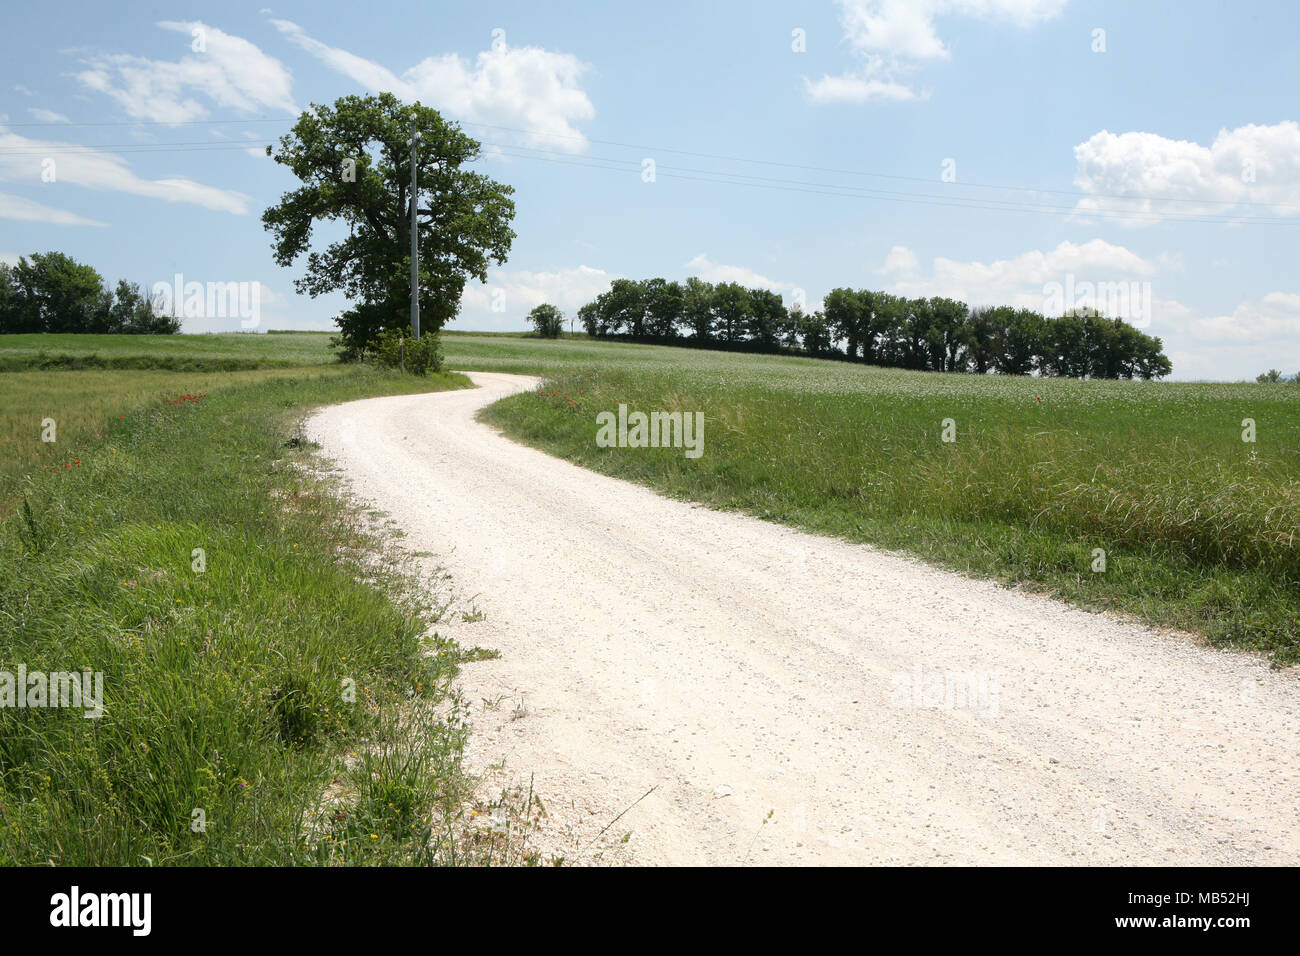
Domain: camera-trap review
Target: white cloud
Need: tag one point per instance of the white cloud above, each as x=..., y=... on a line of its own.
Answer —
x=519, y=291
x=1273, y=318
x=856, y=89
x=26, y=210
x=522, y=87
x=891, y=38
x=711, y=271
x=1251, y=171
x=230, y=72
x=23, y=90
x=1257, y=334
x=48, y=116
x=901, y=261
x=21, y=158
x=1018, y=281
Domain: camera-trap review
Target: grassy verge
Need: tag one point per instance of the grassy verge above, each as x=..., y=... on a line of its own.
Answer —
x=185, y=353
x=1198, y=528
x=86, y=405
x=271, y=699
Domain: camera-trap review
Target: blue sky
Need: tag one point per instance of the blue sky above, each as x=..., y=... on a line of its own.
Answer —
x=1169, y=159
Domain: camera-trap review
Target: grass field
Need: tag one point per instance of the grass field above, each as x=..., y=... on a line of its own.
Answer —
x=183, y=353
x=278, y=697
x=84, y=406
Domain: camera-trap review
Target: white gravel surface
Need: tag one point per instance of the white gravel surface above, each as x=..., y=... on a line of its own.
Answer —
x=798, y=699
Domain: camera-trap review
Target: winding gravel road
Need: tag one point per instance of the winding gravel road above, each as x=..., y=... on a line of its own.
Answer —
x=797, y=699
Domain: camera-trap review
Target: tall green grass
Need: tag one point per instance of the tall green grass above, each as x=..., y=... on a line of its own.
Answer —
x=287, y=703
x=85, y=405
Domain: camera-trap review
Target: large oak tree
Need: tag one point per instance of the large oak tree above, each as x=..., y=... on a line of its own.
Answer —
x=354, y=162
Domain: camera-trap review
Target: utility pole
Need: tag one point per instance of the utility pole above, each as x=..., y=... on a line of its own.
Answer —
x=415, y=235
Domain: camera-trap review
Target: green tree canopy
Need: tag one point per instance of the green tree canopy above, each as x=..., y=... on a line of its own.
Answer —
x=354, y=162
x=52, y=292
x=547, y=320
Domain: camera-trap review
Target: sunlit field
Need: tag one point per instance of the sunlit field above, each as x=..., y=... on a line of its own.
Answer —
x=84, y=405
x=224, y=352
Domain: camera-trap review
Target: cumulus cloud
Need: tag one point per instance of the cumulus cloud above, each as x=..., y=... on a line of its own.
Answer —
x=1017, y=281
x=227, y=71
x=892, y=38
x=514, y=293
x=1274, y=317
x=527, y=87
x=1139, y=178
x=901, y=261
x=23, y=158
x=27, y=210
x=711, y=271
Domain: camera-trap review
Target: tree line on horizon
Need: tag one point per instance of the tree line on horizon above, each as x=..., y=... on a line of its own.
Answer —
x=935, y=334
x=52, y=292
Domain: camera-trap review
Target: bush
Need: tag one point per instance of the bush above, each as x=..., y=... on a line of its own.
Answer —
x=547, y=320
x=397, y=349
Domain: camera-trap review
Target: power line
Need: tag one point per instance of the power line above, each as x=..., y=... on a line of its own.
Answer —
x=746, y=179
x=858, y=172
x=1078, y=194
x=862, y=192
x=149, y=123
x=129, y=148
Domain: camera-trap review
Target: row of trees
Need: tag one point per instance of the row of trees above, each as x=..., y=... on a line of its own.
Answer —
x=1273, y=377
x=938, y=334
x=52, y=292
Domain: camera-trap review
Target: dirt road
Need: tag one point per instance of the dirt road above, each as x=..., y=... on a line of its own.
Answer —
x=796, y=699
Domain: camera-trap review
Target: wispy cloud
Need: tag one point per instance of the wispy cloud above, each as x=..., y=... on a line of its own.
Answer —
x=26, y=210
x=24, y=159
x=220, y=69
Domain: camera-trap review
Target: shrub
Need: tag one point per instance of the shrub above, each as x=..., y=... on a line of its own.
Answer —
x=397, y=349
x=547, y=320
